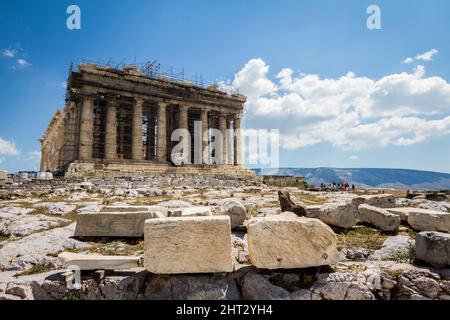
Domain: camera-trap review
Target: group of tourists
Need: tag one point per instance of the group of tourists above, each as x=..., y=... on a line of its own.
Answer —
x=343, y=186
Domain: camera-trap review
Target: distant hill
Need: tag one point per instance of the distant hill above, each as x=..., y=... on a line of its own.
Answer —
x=369, y=177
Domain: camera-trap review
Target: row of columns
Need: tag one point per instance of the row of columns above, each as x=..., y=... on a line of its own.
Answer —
x=86, y=131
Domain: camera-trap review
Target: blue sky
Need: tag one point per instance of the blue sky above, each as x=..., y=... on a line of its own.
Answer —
x=237, y=41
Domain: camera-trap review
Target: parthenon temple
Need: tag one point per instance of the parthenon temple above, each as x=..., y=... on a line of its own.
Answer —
x=119, y=122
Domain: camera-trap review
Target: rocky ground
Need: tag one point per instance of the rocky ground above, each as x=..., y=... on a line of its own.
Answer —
x=378, y=258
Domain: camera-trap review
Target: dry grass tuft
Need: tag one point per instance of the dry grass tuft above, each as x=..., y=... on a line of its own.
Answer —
x=37, y=268
x=40, y=210
x=361, y=237
x=310, y=199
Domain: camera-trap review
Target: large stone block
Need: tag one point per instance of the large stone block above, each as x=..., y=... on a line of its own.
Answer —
x=235, y=210
x=429, y=220
x=188, y=245
x=115, y=224
x=379, y=217
x=343, y=215
x=286, y=241
x=376, y=200
x=403, y=213
x=433, y=247
x=313, y=211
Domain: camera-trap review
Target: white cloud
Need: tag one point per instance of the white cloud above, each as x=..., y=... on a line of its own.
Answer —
x=8, y=148
x=408, y=60
x=9, y=53
x=226, y=86
x=23, y=63
x=353, y=158
x=427, y=56
x=16, y=52
x=253, y=79
x=34, y=155
x=350, y=112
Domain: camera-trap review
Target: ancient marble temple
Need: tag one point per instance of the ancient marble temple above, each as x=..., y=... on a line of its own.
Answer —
x=119, y=122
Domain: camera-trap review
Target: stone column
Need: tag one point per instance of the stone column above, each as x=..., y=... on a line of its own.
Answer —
x=237, y=141
x=43, y=166
x=230, y=142
x=136, y=147
x=72, y=148
x=204, y=120
x=183, y=124
x=111, y=130
x=223, y=130
x=183, y=120
x=86, y=129
x=161, y=149
x=69, y=137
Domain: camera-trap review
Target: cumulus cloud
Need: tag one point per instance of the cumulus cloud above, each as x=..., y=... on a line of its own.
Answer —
x=253, y=79
x=427, y=56
x=349, y=112
x=8, y=148
x=353, y=158
x=408, y=60
x=8, y=53
x=22, y=63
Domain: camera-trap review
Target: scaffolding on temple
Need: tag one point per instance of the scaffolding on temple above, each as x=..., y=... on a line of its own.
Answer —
x=73, y=133
x=155, y=70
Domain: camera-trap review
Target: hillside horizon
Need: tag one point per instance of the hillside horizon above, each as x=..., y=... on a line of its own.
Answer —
x=369, y=177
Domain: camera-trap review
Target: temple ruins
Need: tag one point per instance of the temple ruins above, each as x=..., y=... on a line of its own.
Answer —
x=120, y=122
